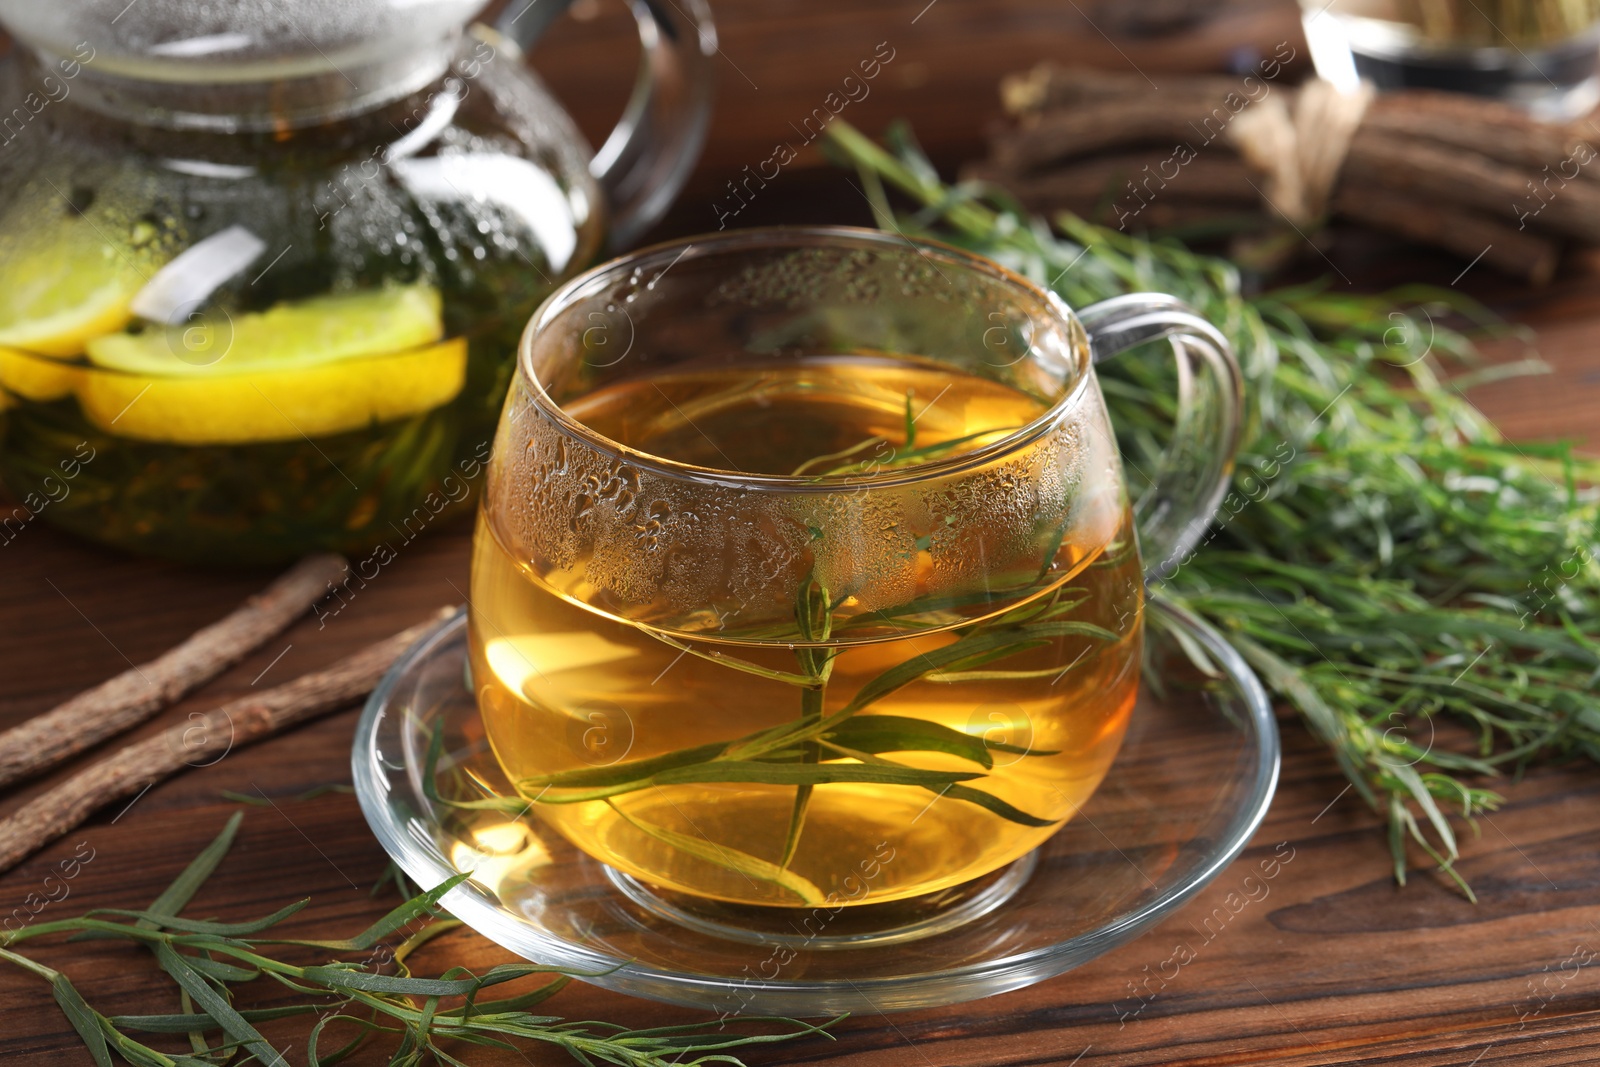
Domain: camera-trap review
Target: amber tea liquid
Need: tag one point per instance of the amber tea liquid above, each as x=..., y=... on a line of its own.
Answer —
x=565, y=686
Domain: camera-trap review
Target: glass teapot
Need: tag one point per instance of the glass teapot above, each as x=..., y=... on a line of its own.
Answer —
x=264, y=263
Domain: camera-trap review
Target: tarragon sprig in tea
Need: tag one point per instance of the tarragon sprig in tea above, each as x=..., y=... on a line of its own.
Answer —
x=885, y=455
x=817, y=748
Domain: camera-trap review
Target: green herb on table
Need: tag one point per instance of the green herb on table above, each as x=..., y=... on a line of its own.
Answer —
x=209, y=961
x=1385, y=559
x=261, y=800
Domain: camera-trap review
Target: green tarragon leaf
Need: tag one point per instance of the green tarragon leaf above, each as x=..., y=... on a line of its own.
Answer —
x=216, y=1005
x=188, y=1023
x=176, y=896
x=83, y=1019
x=156, y=919
x=761, y=772
x=620, y=773
x=992, y=803
x=1007, y=641
x=899, y=733
x=733, y=859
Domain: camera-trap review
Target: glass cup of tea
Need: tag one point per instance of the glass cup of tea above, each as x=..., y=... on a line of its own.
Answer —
x=806, y=573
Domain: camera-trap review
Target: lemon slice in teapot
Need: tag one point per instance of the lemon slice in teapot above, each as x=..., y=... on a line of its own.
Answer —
x=58, y=288
x=57, y=293
x=34, y=377
x=304, y=368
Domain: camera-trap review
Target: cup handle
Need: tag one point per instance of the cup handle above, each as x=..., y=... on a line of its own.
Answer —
x=655, y=144
x=1173, y=512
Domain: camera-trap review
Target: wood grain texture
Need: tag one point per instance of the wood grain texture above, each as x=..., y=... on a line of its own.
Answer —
x=202, y=740
x=1336, y=966
x=139, y=692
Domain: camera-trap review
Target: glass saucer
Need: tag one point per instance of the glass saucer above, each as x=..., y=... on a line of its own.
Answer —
x=1188, y=789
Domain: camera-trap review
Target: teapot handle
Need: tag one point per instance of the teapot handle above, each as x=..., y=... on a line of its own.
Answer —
x=1193, y=476
x=655, y=144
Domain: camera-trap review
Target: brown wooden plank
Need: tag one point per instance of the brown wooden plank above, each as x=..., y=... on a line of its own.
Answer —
x=1335, y=966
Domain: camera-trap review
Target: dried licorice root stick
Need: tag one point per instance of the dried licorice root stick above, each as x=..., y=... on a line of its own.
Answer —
x=134, y=695
x=200, y=742
x=1469, y=234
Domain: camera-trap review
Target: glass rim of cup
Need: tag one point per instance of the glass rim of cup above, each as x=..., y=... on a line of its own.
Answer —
x=668, y=253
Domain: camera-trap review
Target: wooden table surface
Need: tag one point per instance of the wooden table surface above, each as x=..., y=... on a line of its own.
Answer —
x=1337, y=966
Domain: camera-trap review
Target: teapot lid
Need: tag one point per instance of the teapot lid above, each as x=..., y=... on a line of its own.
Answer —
x=342, y=56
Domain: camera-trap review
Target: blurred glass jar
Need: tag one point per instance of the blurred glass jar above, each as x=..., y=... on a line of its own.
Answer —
x=1543, y=59
x=264, y=265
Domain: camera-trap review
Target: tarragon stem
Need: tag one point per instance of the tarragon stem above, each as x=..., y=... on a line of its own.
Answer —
x=420, y=1012
x=814, y=617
